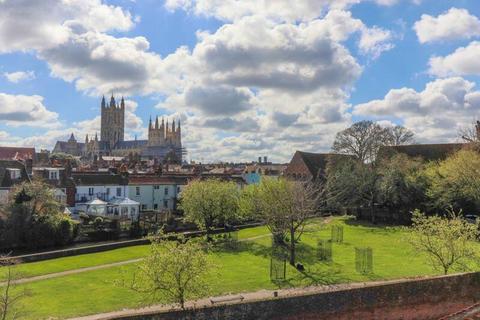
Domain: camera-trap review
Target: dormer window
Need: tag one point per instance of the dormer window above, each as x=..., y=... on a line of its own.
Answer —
x=15, y=174
x=53, y=174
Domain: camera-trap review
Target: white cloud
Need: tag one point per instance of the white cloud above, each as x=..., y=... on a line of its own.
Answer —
x=16, y=110
x=435, y=114
x=464, y=61
x=19, y=76
x=285, y=10
x=452, y=25
x=39, y=25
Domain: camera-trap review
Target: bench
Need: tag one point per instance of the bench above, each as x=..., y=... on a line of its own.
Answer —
x=226, y=299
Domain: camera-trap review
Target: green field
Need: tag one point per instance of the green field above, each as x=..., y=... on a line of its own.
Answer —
x=245, y=269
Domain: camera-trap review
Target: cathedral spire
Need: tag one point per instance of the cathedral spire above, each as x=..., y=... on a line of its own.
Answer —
x=173, y=125
x=86, y=139
x=96, y=137
x=103, y=101
x=112, y=102
x=150, y=124
x=156, y=123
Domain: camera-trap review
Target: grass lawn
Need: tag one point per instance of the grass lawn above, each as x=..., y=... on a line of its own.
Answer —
x=245, y=269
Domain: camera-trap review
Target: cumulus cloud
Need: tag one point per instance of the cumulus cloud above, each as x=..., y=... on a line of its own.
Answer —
x=285, y=10
x=464, y=61
x=25, y=110
x=434, y=113
x=220, y=100
x=19, y=76
x=38, y=25
x=451, y=25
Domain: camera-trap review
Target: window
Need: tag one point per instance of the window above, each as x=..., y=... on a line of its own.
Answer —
x=119, y=192
x=166, y=191
x=155, y=206
x=165, y=203
x=156, y=187
x=108, y=191
x=14, y=173
x=53, y=175
x=137, y=191
x=90, y=191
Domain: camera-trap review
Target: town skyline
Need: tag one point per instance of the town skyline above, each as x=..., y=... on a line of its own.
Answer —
x=244, y=80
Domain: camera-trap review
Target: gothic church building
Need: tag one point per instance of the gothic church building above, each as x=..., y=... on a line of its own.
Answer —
x=164, y=140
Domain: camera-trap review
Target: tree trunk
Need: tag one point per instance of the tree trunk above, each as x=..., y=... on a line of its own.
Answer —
x=292, y=245
x=372, y=211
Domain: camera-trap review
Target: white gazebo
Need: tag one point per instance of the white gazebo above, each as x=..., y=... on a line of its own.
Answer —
x=96, y=207
x=123, y=208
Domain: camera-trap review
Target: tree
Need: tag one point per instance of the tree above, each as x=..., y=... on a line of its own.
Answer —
x=9, y=295
x=283, y=206
x=402, y=183
x=362, y=140
x=400, y=135
x=447, y=241
x=173, y=270
x=471, y=134
x=353, y=183
x=455, y=181
x=208, y=203
x=33, y=218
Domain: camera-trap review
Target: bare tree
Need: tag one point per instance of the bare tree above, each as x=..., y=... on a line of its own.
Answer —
x=471, y=134
x=9, y=296
x=362, y=140
x=400, y=135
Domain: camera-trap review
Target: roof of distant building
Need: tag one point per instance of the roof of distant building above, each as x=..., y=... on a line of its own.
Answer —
x=17, y=153
x=154, y=180
x=426, y=151
x=91, y=179
x=5, y=178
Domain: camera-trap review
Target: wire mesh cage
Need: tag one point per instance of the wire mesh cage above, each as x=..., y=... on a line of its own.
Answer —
x=364, y=260
x=337, y=234
x=324, y=250
x=278, y=262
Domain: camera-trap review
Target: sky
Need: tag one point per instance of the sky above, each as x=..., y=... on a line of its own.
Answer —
x=246, y=78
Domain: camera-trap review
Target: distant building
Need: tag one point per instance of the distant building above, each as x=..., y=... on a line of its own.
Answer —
x=59, y=179
x=253, y=173
x=17, y=153
x=12, y=172
x=428, y=152
x=307, y=166
x=164, y=140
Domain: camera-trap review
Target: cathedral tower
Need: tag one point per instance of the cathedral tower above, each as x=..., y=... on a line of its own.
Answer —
x=112, y=127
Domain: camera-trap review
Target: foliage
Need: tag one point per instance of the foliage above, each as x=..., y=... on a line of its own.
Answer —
x=402, y=185
x=208, y=203
x=455, y=181
x=284, y=207
x=34, y=219
x=63, y=157
x=447, y=241
x=174, y=271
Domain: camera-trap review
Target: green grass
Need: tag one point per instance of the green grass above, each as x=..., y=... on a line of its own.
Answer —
x=246, y=269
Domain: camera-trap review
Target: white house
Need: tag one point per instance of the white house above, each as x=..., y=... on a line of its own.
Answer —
x=104, y=186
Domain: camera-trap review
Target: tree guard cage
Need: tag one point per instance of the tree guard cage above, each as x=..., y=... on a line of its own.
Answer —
x=324, y=250
x=278, y=262
x=337, y=234
x=364, y=260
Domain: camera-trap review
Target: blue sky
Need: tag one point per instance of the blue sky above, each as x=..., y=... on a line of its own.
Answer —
x=247, y=78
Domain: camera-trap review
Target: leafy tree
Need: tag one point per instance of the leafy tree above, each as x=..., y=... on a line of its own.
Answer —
x=455, y=181
x=174, y=271
x=402, y=184
x=283, y=206
x=447, y=241
x=34, y=219
x=353, y=183
x=208, y=203
x=10, y=296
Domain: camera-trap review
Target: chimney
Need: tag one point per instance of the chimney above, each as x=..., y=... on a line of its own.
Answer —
x=29, y=166
x=265, y=159
x=259, y=159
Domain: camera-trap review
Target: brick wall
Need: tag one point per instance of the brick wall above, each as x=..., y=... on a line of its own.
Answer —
x=429, y=298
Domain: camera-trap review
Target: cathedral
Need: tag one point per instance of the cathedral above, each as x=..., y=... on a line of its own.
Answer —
x=164, y=140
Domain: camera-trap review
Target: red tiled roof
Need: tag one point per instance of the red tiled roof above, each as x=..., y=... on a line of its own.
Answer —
x=16, y=153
